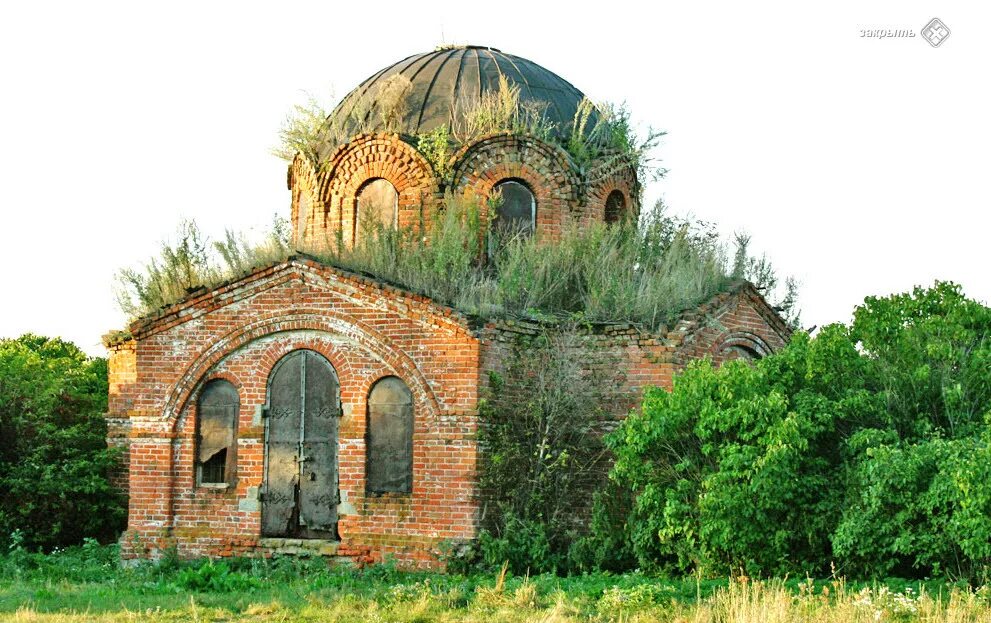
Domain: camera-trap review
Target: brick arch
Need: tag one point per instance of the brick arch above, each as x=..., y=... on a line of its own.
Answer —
x=302, y=181
x=423, y=409
x=346, y=374
x=322, y=321
x=750, y=342
x=275, y=352
x=595, y=197
x=367, y=157
x=194, y=394
x=545, y=168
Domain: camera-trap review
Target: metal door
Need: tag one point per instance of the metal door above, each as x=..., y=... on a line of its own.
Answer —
x=301, y=487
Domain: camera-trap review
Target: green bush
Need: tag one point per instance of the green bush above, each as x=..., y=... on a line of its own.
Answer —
x=55, y=465
x=215, y=577
x=542, y=452
x=864, y=448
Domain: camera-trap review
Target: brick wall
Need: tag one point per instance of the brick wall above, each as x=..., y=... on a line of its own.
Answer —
x=735, y=324
x=366, y=330
x=625, y=360
x=728, y=326
x=238, y=332
x=324, y=198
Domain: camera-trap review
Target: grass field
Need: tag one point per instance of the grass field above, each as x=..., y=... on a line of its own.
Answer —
x=87, y=584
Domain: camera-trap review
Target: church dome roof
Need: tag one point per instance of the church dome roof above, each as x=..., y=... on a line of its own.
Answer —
x=439, y=79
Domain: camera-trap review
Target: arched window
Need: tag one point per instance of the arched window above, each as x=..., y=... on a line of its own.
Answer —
x=739, y=351
x=741, y=345
x=378, y=206
x=217, y=410
x=389, y=466
x=615, y=207
x=515, y=213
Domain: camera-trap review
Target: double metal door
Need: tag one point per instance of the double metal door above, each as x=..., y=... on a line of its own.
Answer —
x=300, y=496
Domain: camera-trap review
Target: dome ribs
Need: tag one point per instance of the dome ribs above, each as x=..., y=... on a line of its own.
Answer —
x=426, y=96
x=412, y=79
x=443, y=79
x=456, y=91
x=354, y=97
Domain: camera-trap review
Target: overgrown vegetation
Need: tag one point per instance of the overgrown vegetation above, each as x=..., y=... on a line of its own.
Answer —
x=310, y=130
x=437, y=147
x=500, y=110
x=601, y=139
x=864, y=450
x=192, y=262
x=301, y=130
x=643, y=274
x=88, y=584
x=541, y=438
x=55, y=466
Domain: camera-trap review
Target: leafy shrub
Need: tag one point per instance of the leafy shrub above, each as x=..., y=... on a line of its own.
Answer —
x=606, y=545
x=865, y=446
x=920, y=495
x=55, y=465
x=541, y=431
x=436, y=147
x=215, y=577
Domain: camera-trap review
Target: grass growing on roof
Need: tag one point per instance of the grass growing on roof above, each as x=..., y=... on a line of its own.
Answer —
x=643, y=274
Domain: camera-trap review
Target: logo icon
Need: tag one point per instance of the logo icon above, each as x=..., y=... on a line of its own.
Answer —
x=935, y=32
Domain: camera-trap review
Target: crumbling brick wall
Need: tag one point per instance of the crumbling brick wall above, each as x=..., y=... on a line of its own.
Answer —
x=237, y=332
x=366, y=330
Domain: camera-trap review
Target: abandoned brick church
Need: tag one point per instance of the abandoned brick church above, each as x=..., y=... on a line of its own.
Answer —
x=303, y=408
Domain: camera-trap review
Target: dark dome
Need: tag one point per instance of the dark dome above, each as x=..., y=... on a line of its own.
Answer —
x=441, y=77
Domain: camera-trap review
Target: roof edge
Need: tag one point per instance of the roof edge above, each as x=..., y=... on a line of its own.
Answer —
x=173, y=314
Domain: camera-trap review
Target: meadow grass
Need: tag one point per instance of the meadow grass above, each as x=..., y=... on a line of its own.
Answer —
x=88, y=584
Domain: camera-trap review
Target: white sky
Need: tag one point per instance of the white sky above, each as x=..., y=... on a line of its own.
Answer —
x=859, y=165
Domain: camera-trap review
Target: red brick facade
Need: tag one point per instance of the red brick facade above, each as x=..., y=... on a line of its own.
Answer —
x=367, y=331
x=324, y=198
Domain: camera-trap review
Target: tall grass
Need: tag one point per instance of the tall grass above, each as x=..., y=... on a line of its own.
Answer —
x=620, y=273
x=309, y=130
x=500, y=110
x=74, y=586
x=191, y=261
x=642, y=274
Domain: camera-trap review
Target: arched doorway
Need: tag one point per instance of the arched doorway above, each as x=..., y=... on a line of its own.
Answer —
x=301, y=482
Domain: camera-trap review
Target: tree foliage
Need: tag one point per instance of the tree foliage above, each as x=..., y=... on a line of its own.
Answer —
x=864, y=448
x=54, y=461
